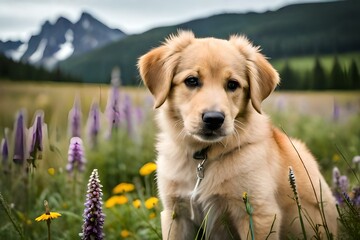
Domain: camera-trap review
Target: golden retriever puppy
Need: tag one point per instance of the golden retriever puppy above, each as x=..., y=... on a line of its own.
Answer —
x=215, y=144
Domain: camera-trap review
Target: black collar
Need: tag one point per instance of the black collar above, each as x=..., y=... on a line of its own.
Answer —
x=201, y=154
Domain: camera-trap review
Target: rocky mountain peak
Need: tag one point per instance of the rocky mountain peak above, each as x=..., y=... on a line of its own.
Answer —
x=58, y=41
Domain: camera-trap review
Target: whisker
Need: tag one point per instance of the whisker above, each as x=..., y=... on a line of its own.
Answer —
x=181, y=135
x=237, y=137
x=239, y=126
x=236, y=121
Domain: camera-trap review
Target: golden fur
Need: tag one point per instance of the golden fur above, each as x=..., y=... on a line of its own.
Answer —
x=246, y=154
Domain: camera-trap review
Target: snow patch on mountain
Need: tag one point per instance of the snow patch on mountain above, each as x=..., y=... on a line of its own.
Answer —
x=17, y=53
x=67, y=48
x=39, y=53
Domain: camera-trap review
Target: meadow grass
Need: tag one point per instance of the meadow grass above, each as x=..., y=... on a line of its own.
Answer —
x=328, y=123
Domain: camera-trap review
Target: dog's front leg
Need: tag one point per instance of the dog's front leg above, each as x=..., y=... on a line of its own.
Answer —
x=176, y=223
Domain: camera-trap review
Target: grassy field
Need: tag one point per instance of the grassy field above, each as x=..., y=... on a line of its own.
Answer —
x=328, y=122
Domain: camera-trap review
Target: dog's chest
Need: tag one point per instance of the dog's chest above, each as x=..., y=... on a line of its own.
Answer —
x=200, y=189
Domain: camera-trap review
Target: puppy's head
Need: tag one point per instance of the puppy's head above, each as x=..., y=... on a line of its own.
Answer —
x=207, y=83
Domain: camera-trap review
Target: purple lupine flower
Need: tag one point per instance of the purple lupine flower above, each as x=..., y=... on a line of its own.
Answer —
x=336, y=186
x=36, y=138
x=4, y=151
x=128, y=112
x=93, y=125
x=113, y=104
x=113, y=108
x=336, y=111
x=335, y=177
x=20, y=137
x=343, y=183
x=75, y=119
x=94, y=218
x=76, y=159
x=356, y=196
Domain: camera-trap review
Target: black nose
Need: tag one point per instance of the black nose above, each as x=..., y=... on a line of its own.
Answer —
x=213, y=120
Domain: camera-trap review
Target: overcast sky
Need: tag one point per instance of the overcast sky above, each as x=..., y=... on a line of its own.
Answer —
x=19, y=19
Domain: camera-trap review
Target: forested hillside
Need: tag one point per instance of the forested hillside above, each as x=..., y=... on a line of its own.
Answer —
x=302, y=29
x=321, y=76
x=12, y=70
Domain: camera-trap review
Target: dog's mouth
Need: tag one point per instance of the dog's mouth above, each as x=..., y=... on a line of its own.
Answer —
x=205, y=135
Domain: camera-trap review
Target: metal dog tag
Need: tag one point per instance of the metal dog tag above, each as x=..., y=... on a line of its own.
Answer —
x=200, y=170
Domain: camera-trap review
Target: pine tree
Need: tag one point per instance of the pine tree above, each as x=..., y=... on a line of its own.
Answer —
x=319, y=78
x=353, y=75
x=288, y=78
x=337, y=76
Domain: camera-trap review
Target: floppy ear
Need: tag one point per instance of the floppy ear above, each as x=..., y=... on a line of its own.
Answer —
x=263, y=78
x=157, y=66
x=156, y=76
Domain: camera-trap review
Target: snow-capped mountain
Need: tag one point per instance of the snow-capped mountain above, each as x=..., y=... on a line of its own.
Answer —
x=60, y=40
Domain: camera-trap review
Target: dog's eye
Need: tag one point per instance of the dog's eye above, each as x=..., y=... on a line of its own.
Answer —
x=232, y=85
x=192, y=82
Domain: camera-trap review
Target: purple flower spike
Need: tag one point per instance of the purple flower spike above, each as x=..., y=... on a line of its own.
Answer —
x=93, y=125
x=113, y=110
x=336, y=176
x=76, y=157
x=94, y=218
x=336, y=111
x=36, y=131
x=75, y=119
x=4, y=150
x=20, y=136
x=343, y=184
x=128, y=112
x=356, y=197
x=336, y=186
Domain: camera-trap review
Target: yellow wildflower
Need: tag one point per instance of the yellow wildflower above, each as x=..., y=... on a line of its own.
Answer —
x=123, y=188
x=47, y=216
x=125, y=233
x=151, y=202
x=114, y=200
x=51, y=171
x=136, y=203
x=245, y=197
x=147, y=169
x=152, y=215
x=336, y=157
